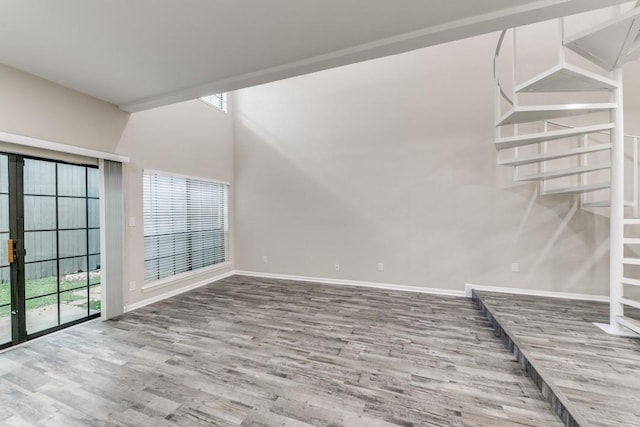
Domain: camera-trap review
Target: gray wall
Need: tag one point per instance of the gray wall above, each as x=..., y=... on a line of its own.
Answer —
x=392, y=161
x=189, y=138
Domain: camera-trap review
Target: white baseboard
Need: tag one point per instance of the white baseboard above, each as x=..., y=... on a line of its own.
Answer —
x=387, y=286
x=468, y=287
x=181, y=290
x=375, y=285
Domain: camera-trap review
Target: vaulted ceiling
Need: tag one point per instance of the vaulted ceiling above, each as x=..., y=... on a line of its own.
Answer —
x=140, y=54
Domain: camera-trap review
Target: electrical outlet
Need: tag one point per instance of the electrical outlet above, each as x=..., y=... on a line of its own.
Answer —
x=132, y=285
x=265, y=259
x=337, y=267
x=380, y=266
x=515, y=267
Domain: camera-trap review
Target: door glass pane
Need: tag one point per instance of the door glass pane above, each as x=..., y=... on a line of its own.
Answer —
x=73, y=273
x=73, y=305
x=42, y=313
x=40, y=279
x=73, y=212
x=94, y=241
x=72, y=180
x=93, y=186
x=94, y=212
x=5, y=306
x=73, y=243
x=4, y=174
x=5, y=277
x=39, y=177
x=94, y=299
x=41, y=293
x=39, y=213
x=40, y=245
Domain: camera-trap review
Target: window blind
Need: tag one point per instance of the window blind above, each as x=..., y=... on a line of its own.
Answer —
x=185, y=225
x=218, y=100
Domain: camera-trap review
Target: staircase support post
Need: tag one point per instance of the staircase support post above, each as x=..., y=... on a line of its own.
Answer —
x=616, y=249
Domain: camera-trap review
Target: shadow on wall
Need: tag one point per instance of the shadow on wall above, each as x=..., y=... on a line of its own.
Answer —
x=374, y=163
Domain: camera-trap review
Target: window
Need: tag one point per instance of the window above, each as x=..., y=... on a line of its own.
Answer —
x=185, y=224
x=218, y=100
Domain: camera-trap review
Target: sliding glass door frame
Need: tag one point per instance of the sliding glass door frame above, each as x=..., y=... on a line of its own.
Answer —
x=16, y=244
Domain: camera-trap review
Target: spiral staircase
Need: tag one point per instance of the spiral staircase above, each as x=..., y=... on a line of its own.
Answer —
x=575, y=146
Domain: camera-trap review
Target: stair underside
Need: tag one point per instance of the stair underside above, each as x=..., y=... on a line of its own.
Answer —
x=567, y=78
x=534, y=138
x=577, y=189
x=524, y=114
x=609, y=44
x=629, y=323
x=552, y=156
x=563, y=172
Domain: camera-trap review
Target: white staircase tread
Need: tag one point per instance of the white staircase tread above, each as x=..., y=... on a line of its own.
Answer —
x=534, y=113
x=630, y=302
x=598, y=204
x=629, y=323
x=552, y=156
x=631, y=221
x=577, y=189
x=631, y=241
x=534, y=138
x=567, y=78
x=608, y=43
x=563, y=172
x=631, y=261
x=630, y=281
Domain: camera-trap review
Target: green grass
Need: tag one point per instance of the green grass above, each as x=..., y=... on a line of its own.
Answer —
x=47, y=285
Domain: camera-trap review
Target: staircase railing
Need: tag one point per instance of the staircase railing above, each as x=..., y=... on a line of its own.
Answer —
x=632, y=140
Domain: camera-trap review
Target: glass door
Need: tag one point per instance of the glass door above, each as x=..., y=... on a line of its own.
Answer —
x=53, y=217
x=5, y=274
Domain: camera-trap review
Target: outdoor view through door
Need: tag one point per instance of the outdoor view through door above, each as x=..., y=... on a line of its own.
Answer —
x=50, y=211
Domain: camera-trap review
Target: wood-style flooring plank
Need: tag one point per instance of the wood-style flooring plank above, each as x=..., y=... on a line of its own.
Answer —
x=595, y=376
x=258, y=352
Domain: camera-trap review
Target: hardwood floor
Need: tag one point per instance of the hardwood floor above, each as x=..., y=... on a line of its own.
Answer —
x=258, y=352
x=595, y=376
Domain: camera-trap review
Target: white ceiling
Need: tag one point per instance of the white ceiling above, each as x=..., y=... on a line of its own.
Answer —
x=141, y=54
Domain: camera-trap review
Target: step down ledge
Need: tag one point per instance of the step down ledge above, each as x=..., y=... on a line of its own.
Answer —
x=534, y=138
x=561, y=173
x=563, y=78
x=535, y=113
x=576, y=189
x=552, y=156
